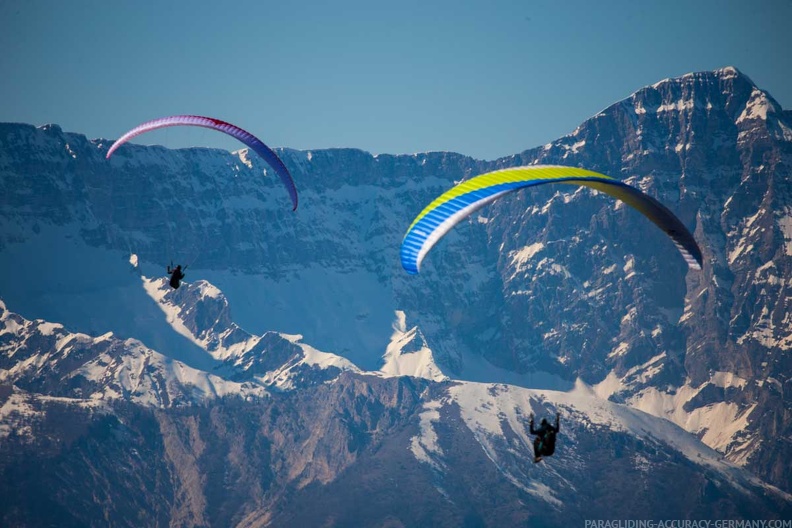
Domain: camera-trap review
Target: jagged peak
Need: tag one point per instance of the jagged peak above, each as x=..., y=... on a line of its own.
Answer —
x=670, y=99
x=728, y=72
x=51, y=127
x=408, y=353
x=727, y=88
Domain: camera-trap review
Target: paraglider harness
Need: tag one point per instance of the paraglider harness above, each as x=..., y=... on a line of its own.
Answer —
x=177, y=274
x=544, y=443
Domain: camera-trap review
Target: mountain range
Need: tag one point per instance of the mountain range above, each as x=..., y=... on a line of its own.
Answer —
x=300, y=377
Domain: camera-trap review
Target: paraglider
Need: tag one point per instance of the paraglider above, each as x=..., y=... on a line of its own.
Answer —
x=544, y=443
x=215, y=124
x=176, y=275
x=460, y=201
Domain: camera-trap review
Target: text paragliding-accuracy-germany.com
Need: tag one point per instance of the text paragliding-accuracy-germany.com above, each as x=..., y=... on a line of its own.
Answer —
x=688, y=523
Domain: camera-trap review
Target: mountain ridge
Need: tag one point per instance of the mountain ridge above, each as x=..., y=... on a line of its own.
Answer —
x=561, y=282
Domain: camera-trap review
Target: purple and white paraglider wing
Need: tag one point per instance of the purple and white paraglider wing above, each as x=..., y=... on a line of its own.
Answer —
x=244, y=136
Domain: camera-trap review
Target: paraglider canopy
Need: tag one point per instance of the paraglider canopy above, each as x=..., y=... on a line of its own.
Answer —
x=215, y=124
x=460, y=201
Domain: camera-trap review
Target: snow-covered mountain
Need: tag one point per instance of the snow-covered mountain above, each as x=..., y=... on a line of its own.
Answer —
x=551, y=299
x=306, y=435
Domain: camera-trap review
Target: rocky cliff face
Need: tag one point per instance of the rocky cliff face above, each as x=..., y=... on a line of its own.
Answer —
x=556, y=280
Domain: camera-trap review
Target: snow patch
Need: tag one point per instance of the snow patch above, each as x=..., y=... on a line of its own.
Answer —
x=15, y=416
x=609, y=386
x=757, y=107
x=425, y=446
x=716, y=424
x=577, y=146
x=727, y=379
x=646, y=371
x=629, y=268
x=739, y=250
x=419, y=363
x=244, y=157
x=677, y=106
x=785, y=225
x=207, y=289
x=312, y=356
x=521, y=256
x=48, y=329
x=620, y=350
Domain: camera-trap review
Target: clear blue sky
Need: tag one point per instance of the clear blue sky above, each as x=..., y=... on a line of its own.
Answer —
x=486, y=79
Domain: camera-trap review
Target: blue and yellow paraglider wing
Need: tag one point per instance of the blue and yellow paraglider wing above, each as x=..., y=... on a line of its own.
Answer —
x=451, y=207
